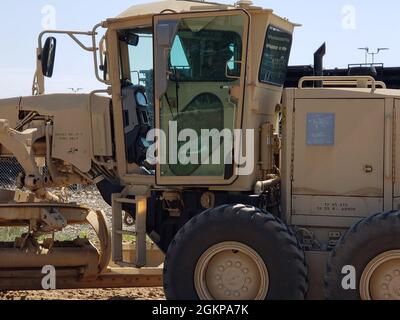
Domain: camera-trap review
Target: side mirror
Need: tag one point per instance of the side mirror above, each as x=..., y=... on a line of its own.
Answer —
x=133, y=39
x=48, y=56
x=130, y=38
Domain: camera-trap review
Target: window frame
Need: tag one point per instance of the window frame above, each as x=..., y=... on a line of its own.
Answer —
x=211, y=180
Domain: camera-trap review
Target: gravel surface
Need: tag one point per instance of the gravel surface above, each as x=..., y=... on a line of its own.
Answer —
x=89, y=294
x=90, y=197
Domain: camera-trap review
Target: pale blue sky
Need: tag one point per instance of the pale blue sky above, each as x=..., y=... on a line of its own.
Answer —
x=375, y=25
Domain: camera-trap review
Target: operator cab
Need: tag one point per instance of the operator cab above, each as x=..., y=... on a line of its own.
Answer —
x=198, y=73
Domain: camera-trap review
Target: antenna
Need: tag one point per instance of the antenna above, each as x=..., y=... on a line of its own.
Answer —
x=373, y=54
x=366, y=49
x=75, y=90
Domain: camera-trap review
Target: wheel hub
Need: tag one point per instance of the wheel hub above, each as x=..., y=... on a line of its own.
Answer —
x=391, y=285
x=381, y=278
x=233, y=277
x=230, y=271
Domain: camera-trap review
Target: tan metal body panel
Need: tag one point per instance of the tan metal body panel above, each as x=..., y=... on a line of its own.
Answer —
x=343, y=93
x=72, y=136
x=357, y=207
x=396, y=141
x=153, y=8
x=339, y=169
x=287, y=151
x=9, y=110
x=101, y=127
x=336, y=184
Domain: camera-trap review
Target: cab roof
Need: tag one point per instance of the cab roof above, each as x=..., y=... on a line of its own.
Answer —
x=178, y=6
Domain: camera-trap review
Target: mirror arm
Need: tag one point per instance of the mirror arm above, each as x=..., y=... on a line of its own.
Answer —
x=95, y=50
x=38, y=86
x=69, y=33
x=90, y=49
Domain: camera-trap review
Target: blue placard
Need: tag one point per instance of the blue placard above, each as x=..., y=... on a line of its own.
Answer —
x=320, y=129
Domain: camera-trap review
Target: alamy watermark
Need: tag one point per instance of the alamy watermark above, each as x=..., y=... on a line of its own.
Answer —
x=210, y=146
x=349, y=281
x=49, y=17
x=49, y=281
x=349, y=17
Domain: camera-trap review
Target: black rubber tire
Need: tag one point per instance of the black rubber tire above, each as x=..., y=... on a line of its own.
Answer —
x=267, y=235
x=363, y=242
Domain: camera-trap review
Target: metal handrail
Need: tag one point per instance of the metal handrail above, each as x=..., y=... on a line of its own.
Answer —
x=380, y=84
x=344, y=80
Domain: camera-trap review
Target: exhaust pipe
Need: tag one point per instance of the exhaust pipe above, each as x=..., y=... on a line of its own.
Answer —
x=319, y=64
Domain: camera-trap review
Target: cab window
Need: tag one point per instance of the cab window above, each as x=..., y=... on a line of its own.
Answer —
x=275, y=57
x=206, y=55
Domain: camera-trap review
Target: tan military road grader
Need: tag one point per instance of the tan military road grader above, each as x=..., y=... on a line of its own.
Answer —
x=250, y=190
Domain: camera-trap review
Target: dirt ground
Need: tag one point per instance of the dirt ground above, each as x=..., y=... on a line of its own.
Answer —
x=90, y=294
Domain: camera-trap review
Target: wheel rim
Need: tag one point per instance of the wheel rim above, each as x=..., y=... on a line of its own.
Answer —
x=231, y=271
x=381, y=277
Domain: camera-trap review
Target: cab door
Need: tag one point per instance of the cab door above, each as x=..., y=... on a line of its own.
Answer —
x=200, y=64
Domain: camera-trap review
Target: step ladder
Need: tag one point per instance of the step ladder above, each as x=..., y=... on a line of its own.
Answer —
x=118, y=231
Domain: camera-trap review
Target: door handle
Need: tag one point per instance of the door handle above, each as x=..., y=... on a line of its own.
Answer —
x=368, y=168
